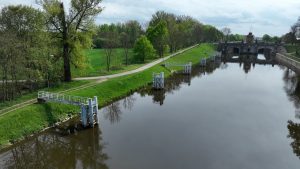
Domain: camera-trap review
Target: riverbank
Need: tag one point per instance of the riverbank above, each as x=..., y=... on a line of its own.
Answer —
x=31, y=119
x=289, y=61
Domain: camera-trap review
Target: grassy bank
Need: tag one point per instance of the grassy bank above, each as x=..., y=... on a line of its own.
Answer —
x=59, y=87
x=96, y=63
x=33, y=118
x=290, y=48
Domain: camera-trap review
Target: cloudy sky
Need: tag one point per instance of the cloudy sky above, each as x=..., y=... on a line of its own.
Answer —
x=260, y=16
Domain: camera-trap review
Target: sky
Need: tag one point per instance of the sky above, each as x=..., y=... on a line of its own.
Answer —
x=273, y=17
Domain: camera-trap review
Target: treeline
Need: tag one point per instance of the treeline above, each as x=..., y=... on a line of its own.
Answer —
x=39, y=47
x=24, y=51
x=166, y=33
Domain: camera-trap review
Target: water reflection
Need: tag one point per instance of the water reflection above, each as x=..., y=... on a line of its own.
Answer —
x=113, y=111
x=175, y=82
x=294, y=133
x=52, y=150
x=292, y=88
x=248, y=62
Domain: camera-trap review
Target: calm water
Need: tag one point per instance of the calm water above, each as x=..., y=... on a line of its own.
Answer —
x=221, y=117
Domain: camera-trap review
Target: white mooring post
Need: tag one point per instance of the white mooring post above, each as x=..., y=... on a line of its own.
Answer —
x=96, y=111
x=203, y=62
x=91, y=114
x=158, y=80
x=84, y=115
x=212, y=58
x=188, y=68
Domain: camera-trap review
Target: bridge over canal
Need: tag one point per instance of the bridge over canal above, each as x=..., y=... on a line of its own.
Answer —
x=240, y=48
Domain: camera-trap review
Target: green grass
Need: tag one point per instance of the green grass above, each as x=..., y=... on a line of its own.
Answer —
x=31, y=119
x=290, y=48
x=96, y=63
x=57, y=88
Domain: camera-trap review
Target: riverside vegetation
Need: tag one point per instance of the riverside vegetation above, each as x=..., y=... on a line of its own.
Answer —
x=18, y=124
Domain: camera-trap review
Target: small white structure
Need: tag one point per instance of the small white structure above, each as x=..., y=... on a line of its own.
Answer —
x=159, y=80
x=187, y=68
x=89, y=106
x=203, y=62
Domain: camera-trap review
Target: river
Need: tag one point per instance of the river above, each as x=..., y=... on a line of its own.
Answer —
x=228, y=115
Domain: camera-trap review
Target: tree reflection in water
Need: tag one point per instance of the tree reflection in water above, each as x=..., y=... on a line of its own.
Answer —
x=50, y=151
x=113, y=111
x=175, y=82
x=292, y=88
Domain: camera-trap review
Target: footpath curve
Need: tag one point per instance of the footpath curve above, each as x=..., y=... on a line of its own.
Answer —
x=98, y=79
x=147, y=66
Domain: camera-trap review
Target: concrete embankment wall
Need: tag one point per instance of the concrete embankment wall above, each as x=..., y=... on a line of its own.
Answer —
x=288, y=62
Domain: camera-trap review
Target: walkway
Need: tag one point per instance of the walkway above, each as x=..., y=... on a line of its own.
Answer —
x=147, y=66
x=99, y=79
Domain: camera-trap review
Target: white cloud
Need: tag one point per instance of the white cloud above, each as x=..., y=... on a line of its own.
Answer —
x=264, y=16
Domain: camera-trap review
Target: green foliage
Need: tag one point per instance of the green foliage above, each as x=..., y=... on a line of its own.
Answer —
x=266, y=38
x=24, y=49
x=184, y=31
x=73, y=29
x=34, y=118
x=158, y=35
x=143, y=50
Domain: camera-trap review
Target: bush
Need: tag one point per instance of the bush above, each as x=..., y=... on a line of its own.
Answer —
x=143, y=50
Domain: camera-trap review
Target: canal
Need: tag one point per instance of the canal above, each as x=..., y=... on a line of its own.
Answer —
x=228, y=115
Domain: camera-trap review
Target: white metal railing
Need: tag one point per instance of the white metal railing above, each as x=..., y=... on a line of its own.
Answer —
x=62, y=98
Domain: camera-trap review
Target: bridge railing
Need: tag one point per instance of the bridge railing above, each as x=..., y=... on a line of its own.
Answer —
x=62, y=98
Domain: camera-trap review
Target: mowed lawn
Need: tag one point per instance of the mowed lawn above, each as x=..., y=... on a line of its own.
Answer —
x=96, y=63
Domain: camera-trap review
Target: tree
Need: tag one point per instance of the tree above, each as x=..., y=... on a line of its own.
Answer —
x=295, y=29
x=158, y=36
x=267, y=38
x=73, y=28
x=130, y=31
x=143, y=50
x=289, y=38
x=24, y=48
x=125, y=44
x=110, y=38
x=226, y=31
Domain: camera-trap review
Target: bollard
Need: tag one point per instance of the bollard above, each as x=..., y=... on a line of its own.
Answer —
x=90, y=113
x=203, y=62
x=84, y=115
x=158, y=81
x=96, y=110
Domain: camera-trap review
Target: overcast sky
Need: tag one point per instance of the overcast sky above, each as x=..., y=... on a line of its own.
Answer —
x=260, y=16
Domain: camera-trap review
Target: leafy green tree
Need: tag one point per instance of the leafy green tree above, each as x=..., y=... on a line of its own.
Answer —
x=74, y=28
x=267, y=38
x=226, y=32
x=143, y=49
x=158, y=37
x=125, y=44
x=24, y=49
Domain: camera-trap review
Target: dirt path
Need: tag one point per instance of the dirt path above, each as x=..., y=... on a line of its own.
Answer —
x=99, y=79
x=147, y=66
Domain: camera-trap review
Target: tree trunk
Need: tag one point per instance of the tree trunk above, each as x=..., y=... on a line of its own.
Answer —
x=67, y=66
x=66, y=50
